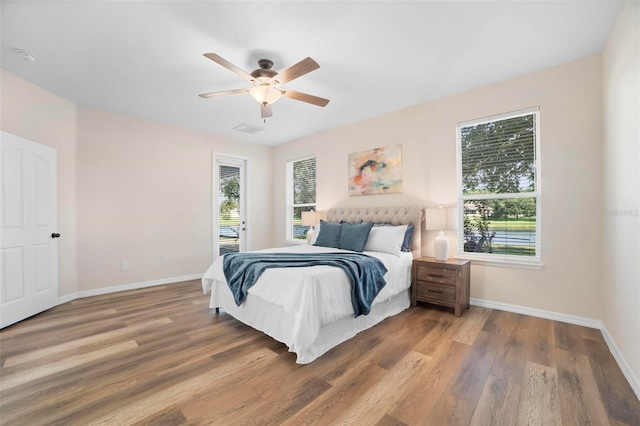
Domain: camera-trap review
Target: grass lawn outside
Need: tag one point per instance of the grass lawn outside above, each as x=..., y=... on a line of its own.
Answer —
x=513, y=250
x=512, y=225
x=229, y=221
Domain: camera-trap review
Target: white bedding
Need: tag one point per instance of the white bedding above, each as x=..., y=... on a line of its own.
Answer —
x=303, y=300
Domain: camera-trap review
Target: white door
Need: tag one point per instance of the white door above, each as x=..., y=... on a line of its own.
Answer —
x=29, y=269
x=230, y=208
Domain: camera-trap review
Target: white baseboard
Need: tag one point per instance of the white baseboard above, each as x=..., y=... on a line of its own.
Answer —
x=124, y=287
x=570, y=319
x=622, y=363
x=540, y=313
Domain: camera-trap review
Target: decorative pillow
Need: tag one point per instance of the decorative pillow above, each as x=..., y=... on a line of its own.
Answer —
x=386, y=239
x=329, y=235
x=354, y=236
x=406, y=243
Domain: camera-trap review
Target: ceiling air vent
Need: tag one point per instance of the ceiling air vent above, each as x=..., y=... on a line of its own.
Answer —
x=248, y=128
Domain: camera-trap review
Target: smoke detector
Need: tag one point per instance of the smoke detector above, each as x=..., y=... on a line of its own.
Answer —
x=24, y=55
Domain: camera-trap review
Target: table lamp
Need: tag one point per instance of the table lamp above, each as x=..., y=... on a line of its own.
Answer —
x=309, y=219
x=438, y=220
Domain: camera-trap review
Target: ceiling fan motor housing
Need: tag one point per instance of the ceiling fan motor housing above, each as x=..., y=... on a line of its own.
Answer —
x=265, y=70
x=265, y=64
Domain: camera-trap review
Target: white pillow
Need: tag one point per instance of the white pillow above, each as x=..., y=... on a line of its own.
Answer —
x=314, y=237
x=386, y=239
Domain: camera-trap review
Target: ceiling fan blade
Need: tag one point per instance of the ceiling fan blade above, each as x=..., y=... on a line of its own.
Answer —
x=294, y=71
x=228, y=65
x=266, y=111
x=226, y=92
x=310, y=99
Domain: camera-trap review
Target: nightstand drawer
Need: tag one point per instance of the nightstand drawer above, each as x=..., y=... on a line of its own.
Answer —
x=435, y=291
x=437, y=275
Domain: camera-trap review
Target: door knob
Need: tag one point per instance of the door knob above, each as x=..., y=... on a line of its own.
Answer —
x=55, y=235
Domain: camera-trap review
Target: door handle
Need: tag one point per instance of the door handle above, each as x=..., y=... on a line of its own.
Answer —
x=55, y=235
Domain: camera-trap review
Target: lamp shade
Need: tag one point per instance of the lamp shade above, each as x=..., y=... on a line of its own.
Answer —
x=436, y=219
x=452, y=218
x=310, y=218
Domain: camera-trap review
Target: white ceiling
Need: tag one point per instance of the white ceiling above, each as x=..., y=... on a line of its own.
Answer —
x=145, y=58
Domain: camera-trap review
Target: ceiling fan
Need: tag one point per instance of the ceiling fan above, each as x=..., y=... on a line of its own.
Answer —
x=266, y=83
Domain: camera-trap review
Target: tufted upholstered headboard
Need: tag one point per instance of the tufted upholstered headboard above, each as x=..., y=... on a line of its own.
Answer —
x=394, y=215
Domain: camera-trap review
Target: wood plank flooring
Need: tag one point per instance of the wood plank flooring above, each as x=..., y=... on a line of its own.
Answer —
x=160, y=356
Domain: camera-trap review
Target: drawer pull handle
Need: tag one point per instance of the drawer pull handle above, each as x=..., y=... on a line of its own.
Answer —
x=435, y=291
x=436, y=276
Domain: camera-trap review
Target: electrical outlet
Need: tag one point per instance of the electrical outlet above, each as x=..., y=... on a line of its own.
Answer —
x=165, y=260
x=125, y=266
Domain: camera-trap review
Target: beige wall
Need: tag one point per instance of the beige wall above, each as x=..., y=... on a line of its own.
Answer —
x=144, y=191
x=621, y=243
x=570, y=100
x=134, y=189
x=40, y=116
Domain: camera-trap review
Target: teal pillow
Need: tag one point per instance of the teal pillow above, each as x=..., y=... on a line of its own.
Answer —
x=354, y=236
x=329, y=235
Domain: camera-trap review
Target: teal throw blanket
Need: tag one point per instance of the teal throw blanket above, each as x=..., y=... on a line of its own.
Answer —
x=366, y=273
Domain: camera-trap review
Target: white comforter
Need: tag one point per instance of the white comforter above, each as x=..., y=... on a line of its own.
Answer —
x=312, y=296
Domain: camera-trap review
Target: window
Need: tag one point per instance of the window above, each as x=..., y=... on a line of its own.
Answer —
x=301, y=195
x=499, y=187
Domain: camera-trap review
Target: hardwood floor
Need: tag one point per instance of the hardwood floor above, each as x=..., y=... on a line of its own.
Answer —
x=160, y=356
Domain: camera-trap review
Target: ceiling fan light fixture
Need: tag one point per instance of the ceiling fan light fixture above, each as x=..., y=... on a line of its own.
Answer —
x=266, y=87
x=265, y=94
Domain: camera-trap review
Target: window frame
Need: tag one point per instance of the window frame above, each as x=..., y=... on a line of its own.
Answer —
x=529, y=262
x=290, y=205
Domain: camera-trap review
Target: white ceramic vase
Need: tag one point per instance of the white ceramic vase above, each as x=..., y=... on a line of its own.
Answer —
x=441, y=245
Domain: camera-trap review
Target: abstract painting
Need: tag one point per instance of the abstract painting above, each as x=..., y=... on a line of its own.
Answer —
x=376, y=171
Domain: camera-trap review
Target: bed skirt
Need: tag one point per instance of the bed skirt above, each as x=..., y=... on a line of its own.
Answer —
x=274, y=321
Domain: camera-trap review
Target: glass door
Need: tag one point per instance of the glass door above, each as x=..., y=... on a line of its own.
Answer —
x=229, y=219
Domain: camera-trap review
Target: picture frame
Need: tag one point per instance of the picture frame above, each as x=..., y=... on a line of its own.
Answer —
x=376, y=171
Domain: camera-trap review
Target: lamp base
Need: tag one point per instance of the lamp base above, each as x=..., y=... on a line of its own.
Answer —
x=310, y=235
x=441, y=245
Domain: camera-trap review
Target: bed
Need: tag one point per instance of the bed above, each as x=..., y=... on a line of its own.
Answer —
x=309, y=309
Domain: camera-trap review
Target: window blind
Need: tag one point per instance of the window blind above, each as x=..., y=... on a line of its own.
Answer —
x=304, y=181
x=301, y=195
x=498, y=187
x=499, y=156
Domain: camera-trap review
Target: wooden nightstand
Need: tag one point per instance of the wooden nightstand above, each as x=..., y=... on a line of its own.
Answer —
x=444, y=283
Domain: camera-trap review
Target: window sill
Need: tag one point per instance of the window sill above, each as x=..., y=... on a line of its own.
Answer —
x=536, y=265
x=295, y=242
